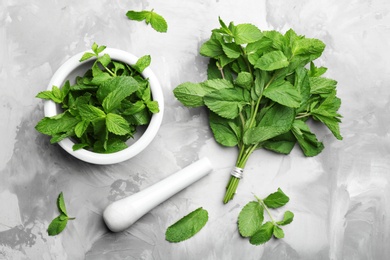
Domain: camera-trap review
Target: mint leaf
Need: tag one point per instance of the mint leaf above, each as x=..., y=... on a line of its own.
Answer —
x=211, y=48
x=272, y=61
x=134, y=108
x=192, y=94
x=263, y=234
x=87, y=56
x=91, y=113
x=157, y=22
x=250, y=219
x=222, y=129
x=187, y=226
x=153, y=106
x=128, y=85
x=61, y=204
x=117, y=124
x=57, y=124
x=246, y=33
x=278, y=232
x=244, y=79
x=284, y=93
x=231, y=50
x=276, y=199
x=227, y=102
x=81, y=127
x=57, y=225
x=287, y=218
x=276, y=121
x=142, y=63
x=320, y=85
x=306, y=139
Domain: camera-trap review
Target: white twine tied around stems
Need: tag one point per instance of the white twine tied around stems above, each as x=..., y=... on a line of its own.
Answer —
x=237, y=172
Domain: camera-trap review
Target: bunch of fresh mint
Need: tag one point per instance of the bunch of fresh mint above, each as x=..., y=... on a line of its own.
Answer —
x=103, y=108
x=262, y=88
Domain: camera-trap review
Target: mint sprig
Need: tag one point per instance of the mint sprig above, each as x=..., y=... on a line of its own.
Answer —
x=59, y=223
x=250, y=219
x=157, y=22
x=262, y=89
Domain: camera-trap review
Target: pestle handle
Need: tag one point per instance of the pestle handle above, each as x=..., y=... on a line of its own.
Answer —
x=122, y=213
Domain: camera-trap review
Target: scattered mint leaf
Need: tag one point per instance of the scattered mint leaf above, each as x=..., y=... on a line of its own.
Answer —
x=278, y=232
x=263, y=235
x=250, y=219
x=187, y=226
x=157, y=22
x=252, y=215
x=61, y=204
x=287, y=218
x=276, y=199
x=58, y=224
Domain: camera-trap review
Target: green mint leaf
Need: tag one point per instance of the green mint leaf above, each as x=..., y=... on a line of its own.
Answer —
x=283, y=147
x=134, y=108
x=58, y=124
x=223, y=131
x=158, y=23
x=320, y=85
x=57, y=225
x=61, y=204
x=123, y=87
x=187, y=226
x=263, y=234
x=315, y=71
x=272, y=61
x=306, y=139
x=79, y=146
x=284, y=93
x=227, y=102
x=244, y=80
x=137, y=16
x=231, y=50
x=117, y=124
x=192, y=94
x=278, y=40
x=115, y=145
x=91, y=113
x=105, y=59
x=211, y=48
x=142, y=63
x=250, y=219
x=153, y=106
x=87, y=56
x=276, y=199
x=276, y=121
x=278, y=232
x=312, y=48
x=287, y=218
x=246, y=33
x=81, y=127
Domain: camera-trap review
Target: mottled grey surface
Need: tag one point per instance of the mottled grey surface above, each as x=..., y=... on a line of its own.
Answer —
x=340, y=198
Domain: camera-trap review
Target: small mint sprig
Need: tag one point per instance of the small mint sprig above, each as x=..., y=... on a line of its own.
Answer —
x=250, y=219
x=157, y=22
x=58, y=224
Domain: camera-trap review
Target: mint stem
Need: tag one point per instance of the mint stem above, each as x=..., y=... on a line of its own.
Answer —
x=266, y=209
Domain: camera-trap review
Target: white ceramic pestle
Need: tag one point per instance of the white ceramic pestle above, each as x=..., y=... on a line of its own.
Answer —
x=121, y=214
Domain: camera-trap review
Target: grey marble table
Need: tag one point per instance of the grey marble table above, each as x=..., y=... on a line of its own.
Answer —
x=340, y=198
